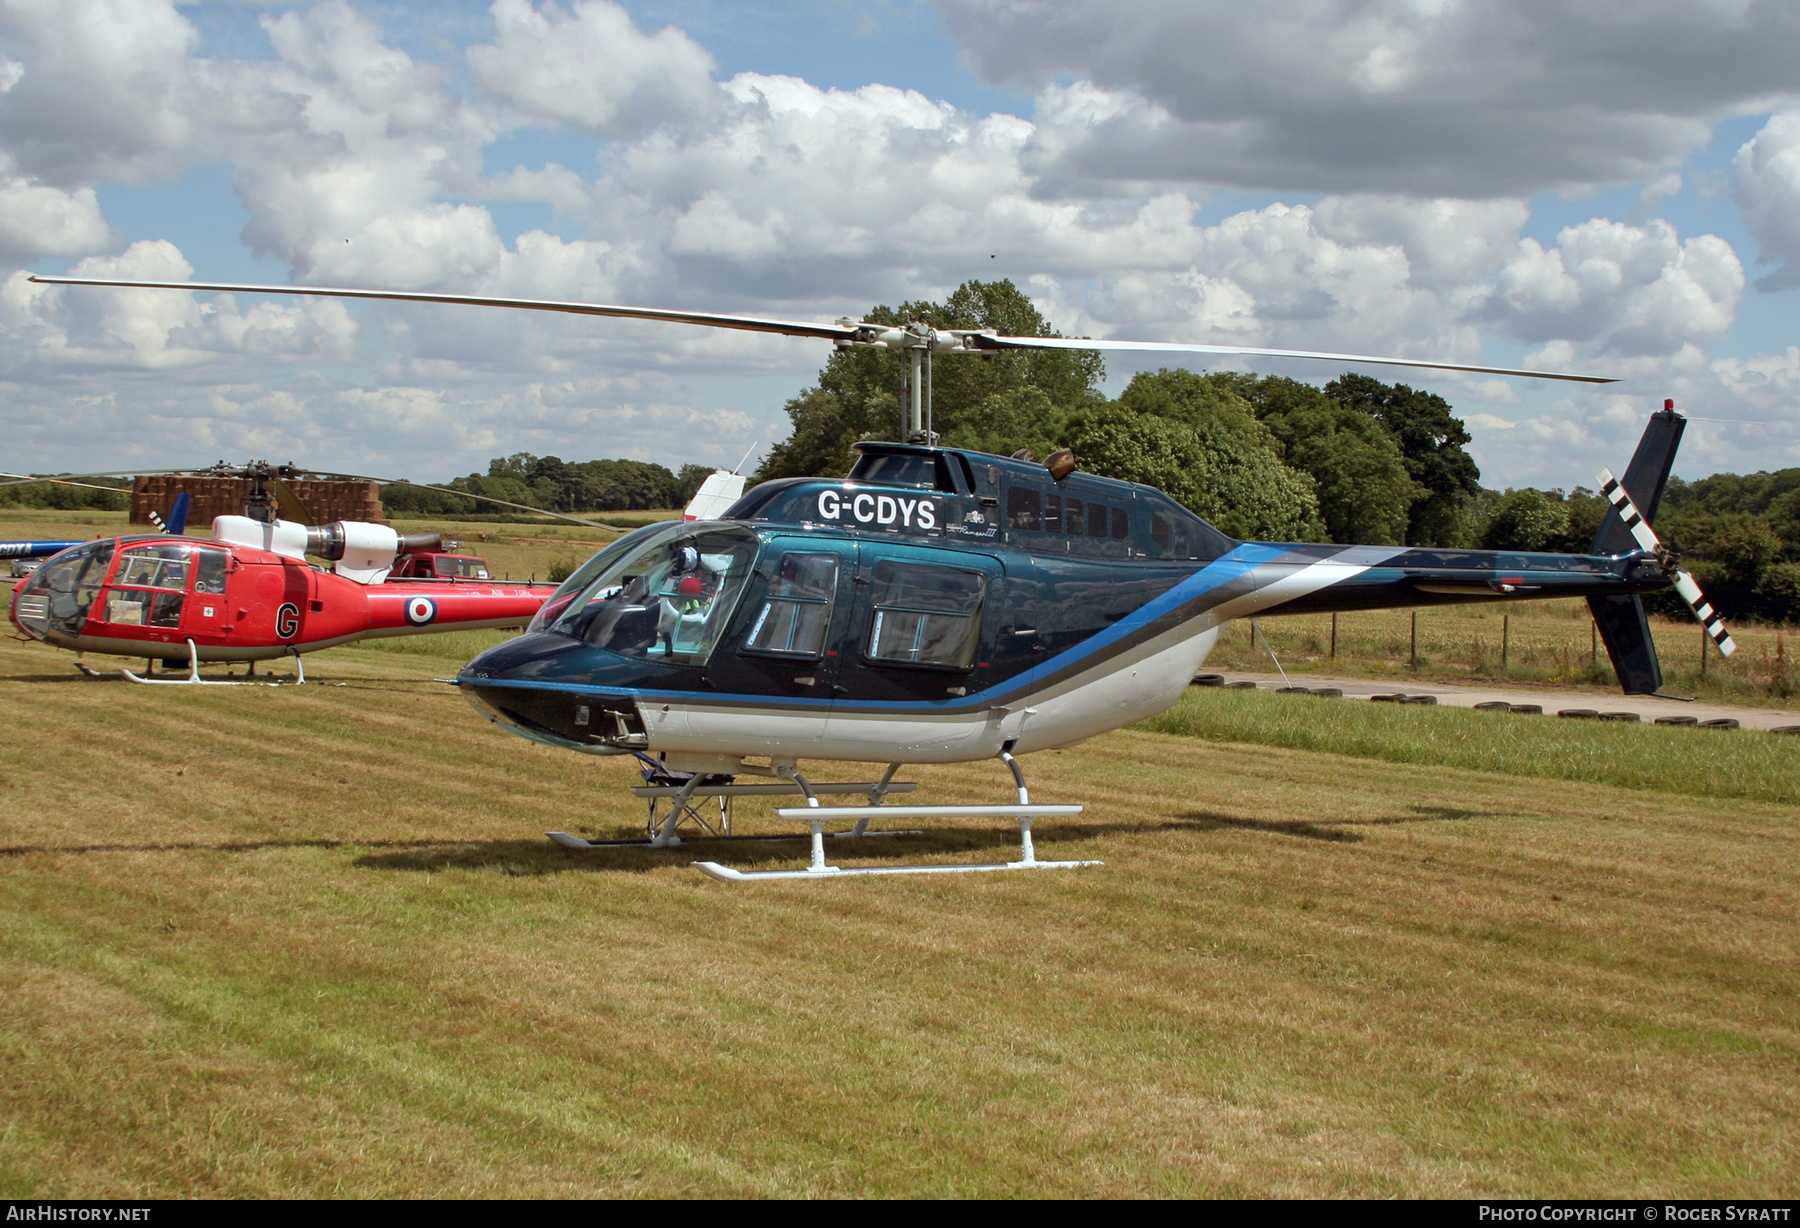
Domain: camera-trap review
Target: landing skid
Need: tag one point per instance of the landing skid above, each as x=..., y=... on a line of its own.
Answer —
x=817, y=816
x=576, y=842
x=821, y=815
x=683, y=802
x=194, y=678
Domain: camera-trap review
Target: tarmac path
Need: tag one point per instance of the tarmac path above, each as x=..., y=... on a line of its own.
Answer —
x=1647, y=707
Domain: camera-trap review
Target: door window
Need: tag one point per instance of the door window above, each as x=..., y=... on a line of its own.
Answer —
x=797, y=608
x=141, y=607
x=209, y=571
x=925, y=615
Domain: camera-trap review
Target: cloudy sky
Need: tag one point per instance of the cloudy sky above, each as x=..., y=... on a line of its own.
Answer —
x=1610, y=188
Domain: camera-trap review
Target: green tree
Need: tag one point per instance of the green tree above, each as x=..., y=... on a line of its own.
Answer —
x=1202, y=446
x=1431, y=440
x=1527, y=519
x=1365, y=492
x=858, y=395
x=687, y=483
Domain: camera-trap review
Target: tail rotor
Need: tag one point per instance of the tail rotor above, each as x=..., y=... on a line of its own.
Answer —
x=1646, y=538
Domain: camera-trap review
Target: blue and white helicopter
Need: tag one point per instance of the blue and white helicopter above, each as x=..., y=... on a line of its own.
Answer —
x=940, y=605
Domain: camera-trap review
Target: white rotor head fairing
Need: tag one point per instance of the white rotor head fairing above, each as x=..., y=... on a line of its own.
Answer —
x=282, y=537
x=363, y=552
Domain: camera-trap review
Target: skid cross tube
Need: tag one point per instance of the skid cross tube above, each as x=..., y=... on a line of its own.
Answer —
x=817, y=816
x=873, y=790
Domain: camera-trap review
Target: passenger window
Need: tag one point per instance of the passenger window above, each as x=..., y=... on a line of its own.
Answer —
x=1053, y=513
x=1096, y=520
x=136, y=607
x=155, y=566
x=1073, y=521
x=797, y=610
x=1184, y=541
x=1160, y=529
x=1121, y=523
x=925, y=615
x=126, y=608
x=1023, y=509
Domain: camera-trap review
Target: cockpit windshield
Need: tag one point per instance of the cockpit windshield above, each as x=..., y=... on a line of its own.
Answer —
x=583, y=576
x=64, y=588
x=668, y=598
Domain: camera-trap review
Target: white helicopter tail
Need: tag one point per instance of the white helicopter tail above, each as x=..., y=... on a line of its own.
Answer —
x=719, y=491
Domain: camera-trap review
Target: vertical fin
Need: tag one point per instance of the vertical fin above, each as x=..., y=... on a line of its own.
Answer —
x=1644, y=479
x=178, y=514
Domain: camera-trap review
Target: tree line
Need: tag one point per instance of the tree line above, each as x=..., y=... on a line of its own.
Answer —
x=1270, y=458
x=556, y=485
x=61, y=496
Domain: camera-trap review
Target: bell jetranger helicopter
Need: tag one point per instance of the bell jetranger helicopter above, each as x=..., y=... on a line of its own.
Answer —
x=941, y=605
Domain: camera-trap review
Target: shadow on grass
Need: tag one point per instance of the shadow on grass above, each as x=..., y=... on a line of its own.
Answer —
x=518, y=857
x=212, y=846
x=111, y=675
x=1334, y=831
x=403, y=686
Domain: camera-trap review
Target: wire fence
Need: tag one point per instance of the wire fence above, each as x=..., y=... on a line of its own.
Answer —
x=1527, y=641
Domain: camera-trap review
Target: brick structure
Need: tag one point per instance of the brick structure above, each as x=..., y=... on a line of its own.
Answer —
x=209, y=497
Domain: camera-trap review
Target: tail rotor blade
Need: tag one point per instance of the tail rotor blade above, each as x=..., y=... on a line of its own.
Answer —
x=1634, y=520
x=1646, y=538
x=1702, y=608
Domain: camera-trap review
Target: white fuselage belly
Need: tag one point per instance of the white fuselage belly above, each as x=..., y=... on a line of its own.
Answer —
x=1119, y=691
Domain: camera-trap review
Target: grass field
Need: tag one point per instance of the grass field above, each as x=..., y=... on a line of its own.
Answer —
x=310, y=941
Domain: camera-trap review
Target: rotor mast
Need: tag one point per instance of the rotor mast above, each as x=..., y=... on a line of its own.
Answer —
x=919, y=341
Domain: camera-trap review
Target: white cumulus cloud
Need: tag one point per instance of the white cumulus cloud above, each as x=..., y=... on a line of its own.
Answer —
x=590, y=66
x=1424, y=97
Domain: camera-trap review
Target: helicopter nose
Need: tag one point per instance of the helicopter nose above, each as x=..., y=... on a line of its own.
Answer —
x=536, y=656
x=549, y=688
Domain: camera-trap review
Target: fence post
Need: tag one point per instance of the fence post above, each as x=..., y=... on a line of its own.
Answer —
x=1505, y=639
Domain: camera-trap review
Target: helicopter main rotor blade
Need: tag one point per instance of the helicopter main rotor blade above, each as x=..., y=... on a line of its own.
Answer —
x=69, y=479
x=846, y=331
x=25, y=481
x=755, y=324
x=990, y=342
x=289, y=503
x=466, y=494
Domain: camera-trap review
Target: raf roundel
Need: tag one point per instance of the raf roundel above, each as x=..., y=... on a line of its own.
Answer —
x=420, y=611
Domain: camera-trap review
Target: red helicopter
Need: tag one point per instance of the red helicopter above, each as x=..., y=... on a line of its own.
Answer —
x=249, y=594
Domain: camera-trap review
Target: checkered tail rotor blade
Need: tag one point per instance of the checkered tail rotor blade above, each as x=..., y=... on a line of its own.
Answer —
x=1646, y=538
